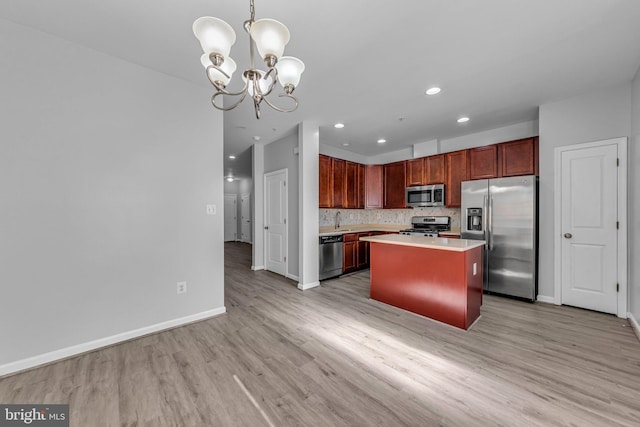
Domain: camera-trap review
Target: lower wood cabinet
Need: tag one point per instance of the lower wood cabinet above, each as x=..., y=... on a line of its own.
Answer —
x=350, y=252
x=356, y=252
x=363, y=251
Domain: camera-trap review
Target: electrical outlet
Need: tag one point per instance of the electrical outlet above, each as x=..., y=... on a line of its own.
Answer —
x=182, y=287
x=211, y=209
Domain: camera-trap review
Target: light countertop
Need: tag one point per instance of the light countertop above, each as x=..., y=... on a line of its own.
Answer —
x=458, y=245
x=361, y=228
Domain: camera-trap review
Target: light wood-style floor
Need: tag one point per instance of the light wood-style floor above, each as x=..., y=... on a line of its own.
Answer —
x=331, y=357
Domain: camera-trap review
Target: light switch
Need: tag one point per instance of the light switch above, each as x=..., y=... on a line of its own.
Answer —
x=475, y=268
x=211, y=209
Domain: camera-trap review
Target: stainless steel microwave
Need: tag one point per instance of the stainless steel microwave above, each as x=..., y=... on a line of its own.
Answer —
x=425, y=196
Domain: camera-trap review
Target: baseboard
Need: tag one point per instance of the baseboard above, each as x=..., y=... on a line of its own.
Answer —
x=634, y=325
x=65, y=353
x=257, y=267
x=304, y=287
x=293, y=277
x=544, y=298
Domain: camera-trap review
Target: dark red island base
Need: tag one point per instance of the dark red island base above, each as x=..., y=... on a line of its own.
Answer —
x=434, y=279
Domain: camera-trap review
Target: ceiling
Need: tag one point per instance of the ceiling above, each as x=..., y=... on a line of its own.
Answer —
x=368, y=63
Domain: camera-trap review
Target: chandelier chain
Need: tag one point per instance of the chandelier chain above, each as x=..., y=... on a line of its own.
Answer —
x=252, y=10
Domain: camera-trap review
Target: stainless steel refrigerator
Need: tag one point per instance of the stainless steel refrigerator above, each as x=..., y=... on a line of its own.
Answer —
x=503, y=213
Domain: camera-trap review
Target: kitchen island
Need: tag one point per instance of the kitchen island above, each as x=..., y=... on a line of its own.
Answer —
x=435, y=277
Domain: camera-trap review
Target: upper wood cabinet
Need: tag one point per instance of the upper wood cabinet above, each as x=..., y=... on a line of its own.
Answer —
x=350, y=200
x=456, y=172
x=415, y=172
x=435, y=169
x=326, y=182
x=483, y=162
x=350, y=185
x=519, y=157
x=373, y=184
x=338, y=167
x=361, y=186
x=394, y=185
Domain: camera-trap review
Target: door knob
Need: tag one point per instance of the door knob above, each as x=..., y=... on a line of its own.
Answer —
x=266, y=227
x=568, y=235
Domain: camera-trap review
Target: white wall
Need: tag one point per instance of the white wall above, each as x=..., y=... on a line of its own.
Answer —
x=105, y=171
x=280, y=155
x=594, y=116
x=634, y=200
x=492, y=136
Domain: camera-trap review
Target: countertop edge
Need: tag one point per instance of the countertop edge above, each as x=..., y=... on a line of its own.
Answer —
x=442, y=243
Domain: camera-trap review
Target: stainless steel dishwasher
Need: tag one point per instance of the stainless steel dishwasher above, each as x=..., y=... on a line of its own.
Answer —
x=331, y=249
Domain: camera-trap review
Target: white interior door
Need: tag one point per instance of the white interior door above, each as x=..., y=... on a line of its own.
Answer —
x=275, y=221
x=589, y=215
x=245, y=218
x=230, y=218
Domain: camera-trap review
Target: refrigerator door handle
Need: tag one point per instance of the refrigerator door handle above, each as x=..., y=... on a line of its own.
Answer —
x=485, y=233
x=490, y=231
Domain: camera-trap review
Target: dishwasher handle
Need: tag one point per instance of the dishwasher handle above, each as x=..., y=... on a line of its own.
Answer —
x=336, y=238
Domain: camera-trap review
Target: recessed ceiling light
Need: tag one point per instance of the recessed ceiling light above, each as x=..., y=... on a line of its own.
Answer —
x=232, y=157
x=382, y=141
x=256, y=138
x=463, y=119
x=433, y=91
x=338, y=125
x=229, y=179
x=346, y=144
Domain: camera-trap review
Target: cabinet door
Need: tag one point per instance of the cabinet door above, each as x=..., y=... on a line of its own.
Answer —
x=415, y=172
x=350, y=200
x=326, y=182
x=361, y=186
x=518, y=157
x=483, y=162
x=349, y=256
x=435, y=169
x=394, y=185
x=338, y=169
x=363, y=251
x=373, y=187
x=456, y=172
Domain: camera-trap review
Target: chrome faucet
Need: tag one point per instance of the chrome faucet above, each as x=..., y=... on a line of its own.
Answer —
x=337, y=221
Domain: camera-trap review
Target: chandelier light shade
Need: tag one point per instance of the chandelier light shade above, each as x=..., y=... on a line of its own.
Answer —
x=215, y=35
x=289, y=71
x=264, y=83
x=269, y=37
x=220, y=74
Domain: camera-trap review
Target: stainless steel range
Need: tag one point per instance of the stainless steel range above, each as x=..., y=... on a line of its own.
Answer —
x=428, y=226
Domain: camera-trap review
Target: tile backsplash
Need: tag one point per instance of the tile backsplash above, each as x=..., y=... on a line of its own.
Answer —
x=385, y=216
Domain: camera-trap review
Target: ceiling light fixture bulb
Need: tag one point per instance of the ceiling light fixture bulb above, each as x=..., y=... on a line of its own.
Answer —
x=382, y=141
x=346, y=144
x=463, y=119
x=433, y=91
x=338, y=125
x=232, y=157
x=229, y=179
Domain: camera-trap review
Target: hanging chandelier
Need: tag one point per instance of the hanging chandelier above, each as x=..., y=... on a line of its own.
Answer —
x=269, y=37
